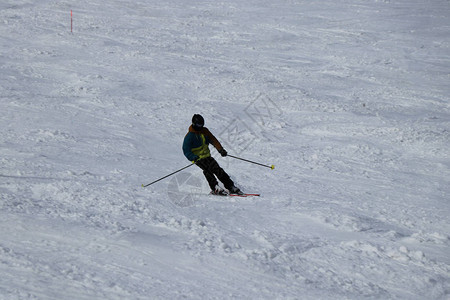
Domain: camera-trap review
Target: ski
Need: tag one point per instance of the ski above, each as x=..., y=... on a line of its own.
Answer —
x=244, y=195
x=236, y=195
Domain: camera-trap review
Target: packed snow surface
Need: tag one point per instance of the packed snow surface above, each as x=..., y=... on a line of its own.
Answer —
x=350, y=100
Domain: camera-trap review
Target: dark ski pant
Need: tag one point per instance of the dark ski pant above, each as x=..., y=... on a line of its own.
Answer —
x=211, y=169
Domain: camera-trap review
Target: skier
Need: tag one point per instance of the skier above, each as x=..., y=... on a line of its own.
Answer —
x=196, y=149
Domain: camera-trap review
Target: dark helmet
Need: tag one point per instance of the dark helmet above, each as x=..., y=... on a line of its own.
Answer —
x=198, y=122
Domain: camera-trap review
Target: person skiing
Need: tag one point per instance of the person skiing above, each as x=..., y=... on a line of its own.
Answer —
x=196, y=149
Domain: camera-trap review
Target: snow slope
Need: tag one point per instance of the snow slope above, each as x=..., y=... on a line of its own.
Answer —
x=348, y=99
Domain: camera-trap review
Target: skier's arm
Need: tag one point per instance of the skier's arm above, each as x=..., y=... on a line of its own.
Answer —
x=214, y=141
x=187, y=148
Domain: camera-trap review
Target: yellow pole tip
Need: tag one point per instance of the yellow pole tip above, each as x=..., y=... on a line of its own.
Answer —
x=272, y=167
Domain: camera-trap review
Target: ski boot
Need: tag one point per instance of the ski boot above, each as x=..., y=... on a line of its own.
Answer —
x=219, y=191
x=235, y=190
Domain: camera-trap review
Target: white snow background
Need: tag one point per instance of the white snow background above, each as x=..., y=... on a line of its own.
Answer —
x=348, y=99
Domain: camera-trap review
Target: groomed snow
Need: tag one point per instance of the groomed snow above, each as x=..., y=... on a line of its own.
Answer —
x=348, y=99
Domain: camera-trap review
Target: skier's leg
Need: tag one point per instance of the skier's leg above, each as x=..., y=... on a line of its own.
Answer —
x=205, y=165
x=225, y=178
x=212, y=181
x=221, y=174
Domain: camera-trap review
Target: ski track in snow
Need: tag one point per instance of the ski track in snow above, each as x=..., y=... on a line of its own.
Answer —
x=349, y=100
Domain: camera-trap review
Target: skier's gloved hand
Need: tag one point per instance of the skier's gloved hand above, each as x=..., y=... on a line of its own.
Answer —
x=223, y=152
x=196, y=159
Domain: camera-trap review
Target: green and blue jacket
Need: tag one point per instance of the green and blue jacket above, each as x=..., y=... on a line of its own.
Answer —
x=195, y=144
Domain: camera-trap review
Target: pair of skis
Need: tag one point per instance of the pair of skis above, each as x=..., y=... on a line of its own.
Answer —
x=244, y=195
x=237, y=195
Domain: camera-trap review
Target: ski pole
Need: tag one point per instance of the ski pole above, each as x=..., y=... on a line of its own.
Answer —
x=166, y=176
x=272, y=166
